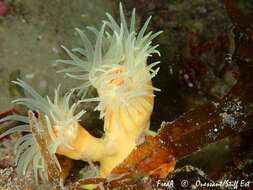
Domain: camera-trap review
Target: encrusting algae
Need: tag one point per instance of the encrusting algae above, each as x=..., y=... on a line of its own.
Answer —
x=116, y=66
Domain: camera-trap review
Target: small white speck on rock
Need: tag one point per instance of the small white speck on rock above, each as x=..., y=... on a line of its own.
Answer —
x=55, y=50
x=30, y=75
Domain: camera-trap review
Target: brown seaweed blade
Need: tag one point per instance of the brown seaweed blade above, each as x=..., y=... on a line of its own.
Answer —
x=42, y=138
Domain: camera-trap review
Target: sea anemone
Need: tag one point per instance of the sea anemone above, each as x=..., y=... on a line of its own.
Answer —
x=60, y=117
x=117, y=66
x=60, y=123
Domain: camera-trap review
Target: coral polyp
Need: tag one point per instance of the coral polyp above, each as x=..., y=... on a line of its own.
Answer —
x=117, y=65
x=60, y=122
x=59, y=116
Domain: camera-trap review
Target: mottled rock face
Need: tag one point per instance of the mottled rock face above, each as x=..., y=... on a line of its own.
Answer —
x=241, y=13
